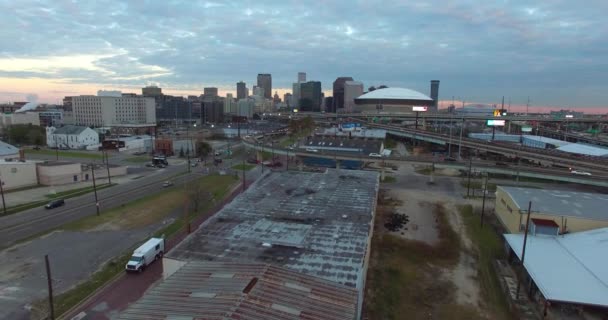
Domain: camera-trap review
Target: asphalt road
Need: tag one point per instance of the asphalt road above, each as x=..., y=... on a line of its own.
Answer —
x=38, y=220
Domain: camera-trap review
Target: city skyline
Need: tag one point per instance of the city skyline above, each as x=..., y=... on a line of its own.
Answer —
x=551, y=53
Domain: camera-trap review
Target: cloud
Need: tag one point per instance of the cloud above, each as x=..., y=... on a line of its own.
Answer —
x=479, y=49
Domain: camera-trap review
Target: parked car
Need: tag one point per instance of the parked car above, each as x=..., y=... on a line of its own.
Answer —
x=147, y=253
x=150, y=165
x=375, y=155
x=194, y=164
x=311, y=150
x=55, y=204
x=36, y=148
x=580, y=173
x=449, y=159
x=252, y=161
x=167, y=184
x=217, y=154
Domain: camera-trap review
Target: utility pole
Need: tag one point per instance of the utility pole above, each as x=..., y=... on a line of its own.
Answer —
x=244, y=183
x=523, y=250
x=50, y=286
x=2, y=192
x=107, y=164
x=450, y=145
x=460, y=143
x=56, y=147
x=95, y=188
x=483, y=202
x=527, y=105
x=469, y=183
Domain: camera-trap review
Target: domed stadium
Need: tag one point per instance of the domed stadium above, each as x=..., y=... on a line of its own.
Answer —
x=389, y=100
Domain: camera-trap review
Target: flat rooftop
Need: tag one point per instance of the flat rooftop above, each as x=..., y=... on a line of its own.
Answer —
x=214, y=290
x=567, y=268
x=56, y=163
x=560, y=203
x=319, y=224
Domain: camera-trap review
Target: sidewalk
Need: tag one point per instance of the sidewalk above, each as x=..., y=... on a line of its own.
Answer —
x=26, y=196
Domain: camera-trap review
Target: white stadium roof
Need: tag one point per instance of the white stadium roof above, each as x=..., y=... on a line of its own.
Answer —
x=580, y=148
x=569, y=268
x=394, y=94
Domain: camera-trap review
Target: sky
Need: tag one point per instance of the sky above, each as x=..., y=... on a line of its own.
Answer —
x=552, y=51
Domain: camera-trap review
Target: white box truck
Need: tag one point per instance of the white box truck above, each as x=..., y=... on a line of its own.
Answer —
x=147, y=253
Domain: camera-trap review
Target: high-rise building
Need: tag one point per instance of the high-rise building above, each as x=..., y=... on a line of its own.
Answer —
x=151, y=91
x=301, y=76
x=229, y=104
x=287, y=99
x=338, y=92
x=434, y=95
x=213, y=111
x=110, y=108
x=329, y=104
x=265, y=81
x=245, y=108
x=174, y=109
x=352, y=90
x=259, y=91
x=241, y=90
x=210, y=91
x=310, y=96
x=295, y=99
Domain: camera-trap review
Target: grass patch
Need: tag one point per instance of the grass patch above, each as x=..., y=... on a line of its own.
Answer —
x=137, y=159
x=477, y=184
x=245, y=167
x=426, y=170
x=22, y=189
x=76, y=192
x=288, y=141
x=402, y=277
x=389, y=179
x=266, y=155
x=490, y=248
x=390, y=143
x=64, y=154
x=152, y=208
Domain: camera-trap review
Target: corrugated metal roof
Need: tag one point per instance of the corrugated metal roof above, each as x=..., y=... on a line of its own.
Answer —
x=316, y=223
x=215, y=290
x=7, y=149
x=569, y=268
x=580, y=148
x=560, y=203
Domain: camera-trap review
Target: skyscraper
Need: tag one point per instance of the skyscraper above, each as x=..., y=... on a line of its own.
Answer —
x=241, y=90
x=352, y=90
x=301, y=76
x=435, y=94
x=210, y=91
x=265, y=81
x=339, y=92
x=151, y=91
x=229, y=104
x=287, y=99
x=310, y=96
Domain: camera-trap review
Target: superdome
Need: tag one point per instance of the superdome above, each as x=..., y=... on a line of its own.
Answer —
x=395, y=94
x=389, y=100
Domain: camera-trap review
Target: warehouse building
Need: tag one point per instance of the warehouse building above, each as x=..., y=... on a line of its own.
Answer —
x=567, y=210
x=16, y=173
x=317, y=224
x=566, y=272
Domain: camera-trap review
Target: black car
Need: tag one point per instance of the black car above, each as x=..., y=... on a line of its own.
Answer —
x=55, y=204
x=450, y=159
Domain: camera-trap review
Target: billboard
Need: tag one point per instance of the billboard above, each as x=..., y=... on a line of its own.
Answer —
x=495, y=123
x=417, y=108
x=526, y=129
x=350, y=126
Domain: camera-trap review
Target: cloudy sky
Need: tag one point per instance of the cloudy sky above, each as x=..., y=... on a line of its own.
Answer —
x=553, y=51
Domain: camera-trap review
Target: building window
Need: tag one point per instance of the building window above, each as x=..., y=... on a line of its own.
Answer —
x=75, y=178
x=13, y=170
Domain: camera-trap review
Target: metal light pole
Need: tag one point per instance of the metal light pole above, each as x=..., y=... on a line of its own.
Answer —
x=483, y=202
x=460, y=142
x=50, y=286
x=2, y=192
x=95, y=188
x=469, y=183
x=107, y=165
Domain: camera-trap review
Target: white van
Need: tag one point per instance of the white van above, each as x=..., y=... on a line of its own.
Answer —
x=147, y=253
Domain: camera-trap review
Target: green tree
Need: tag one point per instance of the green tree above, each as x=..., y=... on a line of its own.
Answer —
x=202, y=149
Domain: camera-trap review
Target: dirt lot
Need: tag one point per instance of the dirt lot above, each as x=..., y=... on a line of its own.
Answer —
x=425, y=267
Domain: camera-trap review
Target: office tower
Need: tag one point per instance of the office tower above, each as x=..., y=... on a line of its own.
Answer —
x=265, y=81
x=229, y=104
x=210, y=91
x=329, y=104
x=301, y=76
x=287, y=99
x=259, y=91
x=434, y=95
x=151, y=91
x=310, y=96
x=352, y=90
x=241, y=90
x=109, y=108
x=338, y=92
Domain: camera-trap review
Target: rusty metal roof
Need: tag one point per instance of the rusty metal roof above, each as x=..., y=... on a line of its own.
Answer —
x=223, y=290
x=316, y=223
